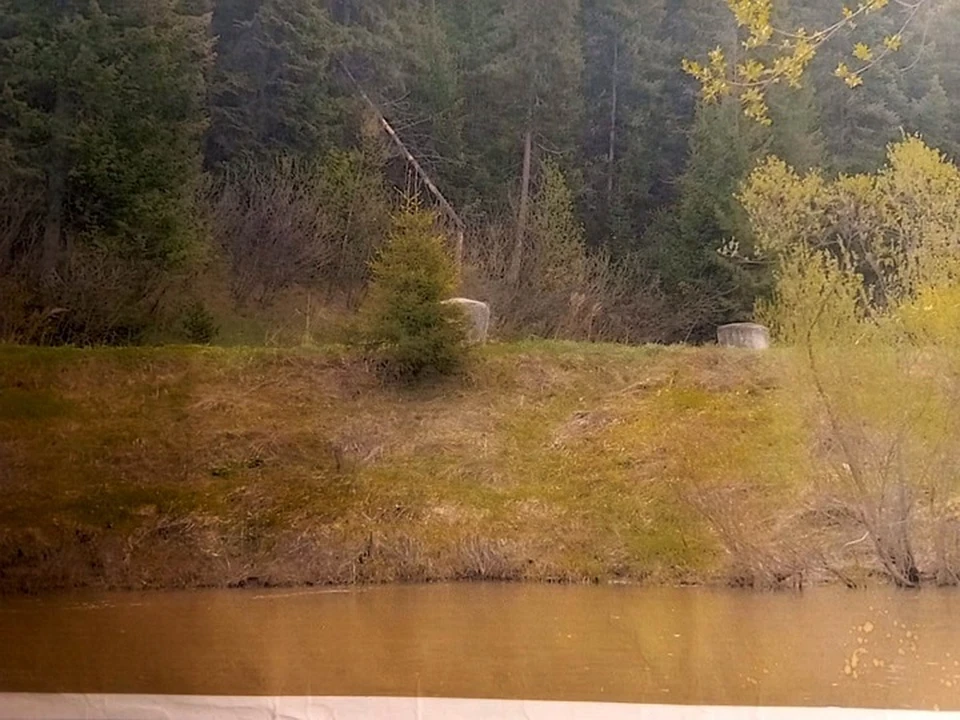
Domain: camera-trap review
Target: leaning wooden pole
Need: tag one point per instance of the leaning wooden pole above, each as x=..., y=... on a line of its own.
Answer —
x=434, y=190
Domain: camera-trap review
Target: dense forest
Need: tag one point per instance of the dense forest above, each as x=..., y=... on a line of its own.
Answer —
x=153, y=152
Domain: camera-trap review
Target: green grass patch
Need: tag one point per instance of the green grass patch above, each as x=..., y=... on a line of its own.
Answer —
x=22, y=404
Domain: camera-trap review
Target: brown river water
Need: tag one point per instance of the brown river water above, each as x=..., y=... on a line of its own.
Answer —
x=875, y=648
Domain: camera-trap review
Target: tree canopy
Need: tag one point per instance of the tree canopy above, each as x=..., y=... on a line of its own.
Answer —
x=117, y=116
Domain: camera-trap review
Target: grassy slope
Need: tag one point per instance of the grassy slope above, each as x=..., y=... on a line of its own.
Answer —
x=181, y=467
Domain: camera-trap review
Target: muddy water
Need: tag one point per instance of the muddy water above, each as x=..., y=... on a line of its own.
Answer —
x=878, y=648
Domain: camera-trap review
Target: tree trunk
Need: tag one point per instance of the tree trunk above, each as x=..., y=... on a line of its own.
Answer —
x=612, y=154
x=52, y=247
x=414, y=163
x=522, y=218
x=56, y=189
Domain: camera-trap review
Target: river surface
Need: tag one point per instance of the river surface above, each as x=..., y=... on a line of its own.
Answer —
x=876, y=648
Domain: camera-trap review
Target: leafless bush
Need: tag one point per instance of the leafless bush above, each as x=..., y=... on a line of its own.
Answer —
x=890, y=445
x=15, y=312
x=19, y=222
x=758, y=554
x=873, y=487
x=300, y=224
x=104, y=299
x=481, y=558
x=97, y=298
x=272, y=226
x=589, y=298
x=19, y=236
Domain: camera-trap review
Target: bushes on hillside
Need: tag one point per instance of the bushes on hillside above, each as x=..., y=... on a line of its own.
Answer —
x=96, y=298
x=566, y=290
x=867, y=271
x=407, y=326
x=271, y=225
x=297, y=223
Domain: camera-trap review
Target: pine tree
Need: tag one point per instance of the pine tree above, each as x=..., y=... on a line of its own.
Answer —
x=531, y=99
x=635, y=136
x=612, y=44
x=407, y=322
x=684, y=243
x=272, y=92
x=404, y=56
x=101, y=115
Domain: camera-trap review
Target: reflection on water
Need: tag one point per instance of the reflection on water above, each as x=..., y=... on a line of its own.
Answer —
x=878, y=648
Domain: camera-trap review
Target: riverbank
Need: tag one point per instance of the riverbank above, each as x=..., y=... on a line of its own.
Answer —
x=553, y=462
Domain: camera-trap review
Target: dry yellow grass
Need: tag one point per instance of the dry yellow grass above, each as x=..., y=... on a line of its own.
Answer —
x=180, y=467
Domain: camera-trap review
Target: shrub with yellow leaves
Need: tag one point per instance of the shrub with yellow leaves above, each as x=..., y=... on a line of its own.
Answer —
x=868, y=290
x=782, y=55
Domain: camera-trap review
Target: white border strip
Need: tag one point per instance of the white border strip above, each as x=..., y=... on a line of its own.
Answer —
x=30, y=706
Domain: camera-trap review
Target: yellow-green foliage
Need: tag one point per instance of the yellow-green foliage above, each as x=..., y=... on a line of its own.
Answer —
x=405, y=319
x=357, y=205
x=561, y=248
x=862, y=249
x=867, y=285
x=777, y=56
